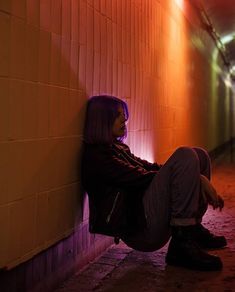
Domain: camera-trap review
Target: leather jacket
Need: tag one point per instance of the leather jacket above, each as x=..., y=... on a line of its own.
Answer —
x=111, y=170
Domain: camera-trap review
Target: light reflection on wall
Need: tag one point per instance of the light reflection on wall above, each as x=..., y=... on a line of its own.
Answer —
x=179, y=73
x=220, y=112
x=180, y=3
x=197, y=42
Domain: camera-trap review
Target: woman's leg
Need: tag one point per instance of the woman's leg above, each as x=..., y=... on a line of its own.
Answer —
x=202, y=235
x=205, y=169
x=178, y=185
x=171, y=198
x=187, y=198
x=204, y=161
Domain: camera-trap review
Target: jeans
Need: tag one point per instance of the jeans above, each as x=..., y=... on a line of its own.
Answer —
x=173, y=197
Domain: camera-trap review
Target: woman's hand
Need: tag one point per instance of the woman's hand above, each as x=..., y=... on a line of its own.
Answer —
x=210, y=194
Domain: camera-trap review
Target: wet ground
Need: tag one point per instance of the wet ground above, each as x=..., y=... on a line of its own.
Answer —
x=121, y=269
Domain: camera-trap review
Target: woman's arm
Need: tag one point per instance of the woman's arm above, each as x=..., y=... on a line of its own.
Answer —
x=102, y=165
x=146, y=164
x=210, y=194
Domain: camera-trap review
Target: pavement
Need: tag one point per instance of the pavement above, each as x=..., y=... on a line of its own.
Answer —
x=122, y=269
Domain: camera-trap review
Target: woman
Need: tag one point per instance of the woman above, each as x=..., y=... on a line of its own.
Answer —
x=145, y=203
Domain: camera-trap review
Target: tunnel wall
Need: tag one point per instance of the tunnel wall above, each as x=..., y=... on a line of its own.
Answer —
x=53, y=55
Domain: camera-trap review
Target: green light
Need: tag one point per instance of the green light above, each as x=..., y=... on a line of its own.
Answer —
x=232, y=69
x=227, y=38
x=197, y=42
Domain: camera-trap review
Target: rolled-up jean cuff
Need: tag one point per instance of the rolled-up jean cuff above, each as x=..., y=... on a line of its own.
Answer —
x=183, y=221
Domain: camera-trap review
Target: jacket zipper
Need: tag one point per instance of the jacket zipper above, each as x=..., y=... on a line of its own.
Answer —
x=113, y=207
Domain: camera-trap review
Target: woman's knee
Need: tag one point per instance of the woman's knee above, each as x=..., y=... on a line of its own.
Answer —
x=205, y=161
x=186, y=154
x=202, y=153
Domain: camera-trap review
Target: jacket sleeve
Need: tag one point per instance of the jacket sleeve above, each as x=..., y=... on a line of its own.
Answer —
x=146, y=164
x=114, y=171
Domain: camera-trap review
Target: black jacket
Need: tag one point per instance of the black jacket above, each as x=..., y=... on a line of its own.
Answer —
x=113, y=176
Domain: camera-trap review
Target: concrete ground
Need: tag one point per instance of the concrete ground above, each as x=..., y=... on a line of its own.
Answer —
x=123, y=269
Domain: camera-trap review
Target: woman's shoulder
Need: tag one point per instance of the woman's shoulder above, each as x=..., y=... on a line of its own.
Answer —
x=104, y=149
x=96, y=148
x=121, y=146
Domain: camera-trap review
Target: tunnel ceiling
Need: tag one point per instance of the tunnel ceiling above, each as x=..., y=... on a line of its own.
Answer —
x=222, y=16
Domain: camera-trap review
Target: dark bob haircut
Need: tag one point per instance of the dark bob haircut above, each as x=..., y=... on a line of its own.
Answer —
x=102, y=110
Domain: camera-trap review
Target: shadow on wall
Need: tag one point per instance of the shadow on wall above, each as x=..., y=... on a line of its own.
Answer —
x=59, y=178
x=42, y=178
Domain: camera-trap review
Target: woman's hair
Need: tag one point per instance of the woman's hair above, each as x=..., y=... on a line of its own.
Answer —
x=102, y=110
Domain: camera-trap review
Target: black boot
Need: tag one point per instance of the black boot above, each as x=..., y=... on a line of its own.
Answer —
x=205, y=239
x=183, y=251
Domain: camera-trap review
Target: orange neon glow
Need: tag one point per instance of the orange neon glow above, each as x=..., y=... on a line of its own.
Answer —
x=180, y=3
x=179, y=82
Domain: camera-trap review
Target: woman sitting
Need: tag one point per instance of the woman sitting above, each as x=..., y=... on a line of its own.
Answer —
x=145, y=203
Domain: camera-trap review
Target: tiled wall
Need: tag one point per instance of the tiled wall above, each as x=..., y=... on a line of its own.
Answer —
x=56, y=53
x=42, y=110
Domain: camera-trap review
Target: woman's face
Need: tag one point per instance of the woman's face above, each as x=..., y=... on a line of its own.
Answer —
x=119, y=125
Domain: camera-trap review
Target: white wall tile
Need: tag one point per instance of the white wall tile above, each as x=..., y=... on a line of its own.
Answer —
x=56, y=16
x=5, y=234
x=32, y=53
x=17, y=92
x=4, y=39
x=55, y=59
x=4, y=109
x=45, y=14
x=30, y=115
x=18, y=8
x=4, y=170
x=18, y=48
x=44, y=59
x=43, y=110
x=33, y=12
